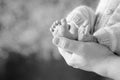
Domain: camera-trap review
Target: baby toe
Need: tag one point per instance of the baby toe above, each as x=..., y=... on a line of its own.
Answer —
x=85, y=23
x=55, y=33
x=53, y=26
x=64, y=24
x=57, y=22
x=87, y=29
x=51, y=30
x=58, y=31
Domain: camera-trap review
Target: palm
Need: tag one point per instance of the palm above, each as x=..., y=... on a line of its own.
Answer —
x=88, y=57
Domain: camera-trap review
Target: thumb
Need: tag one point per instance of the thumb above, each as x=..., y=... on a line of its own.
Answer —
x=67, y=44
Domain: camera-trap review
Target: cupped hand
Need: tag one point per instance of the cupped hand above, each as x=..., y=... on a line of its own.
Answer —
x=89, y=56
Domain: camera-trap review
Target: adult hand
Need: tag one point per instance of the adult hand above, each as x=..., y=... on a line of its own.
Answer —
x=89, y=56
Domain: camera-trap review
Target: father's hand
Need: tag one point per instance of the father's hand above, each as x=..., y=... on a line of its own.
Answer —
x=88, y=56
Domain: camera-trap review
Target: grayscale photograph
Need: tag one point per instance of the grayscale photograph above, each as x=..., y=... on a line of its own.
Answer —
x=59, y=40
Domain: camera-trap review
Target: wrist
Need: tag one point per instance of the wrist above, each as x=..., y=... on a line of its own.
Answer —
x=109, y=67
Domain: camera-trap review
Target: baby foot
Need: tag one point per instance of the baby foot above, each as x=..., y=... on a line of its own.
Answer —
x=84, y=33
x=62, y=29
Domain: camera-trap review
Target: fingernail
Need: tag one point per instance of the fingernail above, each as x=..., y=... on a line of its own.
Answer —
x=56, y=41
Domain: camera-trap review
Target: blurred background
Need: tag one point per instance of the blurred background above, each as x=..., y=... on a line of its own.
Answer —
x=26, y=49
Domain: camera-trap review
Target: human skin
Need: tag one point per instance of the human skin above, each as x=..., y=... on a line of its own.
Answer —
x=78, y=25
x=89, y=56
x=76, y=53
x=63, y=29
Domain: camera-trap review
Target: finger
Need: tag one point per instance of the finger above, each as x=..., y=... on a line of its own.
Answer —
x=67, y=44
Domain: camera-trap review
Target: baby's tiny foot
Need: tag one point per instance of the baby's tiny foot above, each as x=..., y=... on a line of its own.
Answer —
x=84, y=33
x=62, y=29
x=68, y=30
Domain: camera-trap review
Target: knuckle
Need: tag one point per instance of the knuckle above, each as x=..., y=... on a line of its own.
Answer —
x=73, y=64
x=70, y=63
